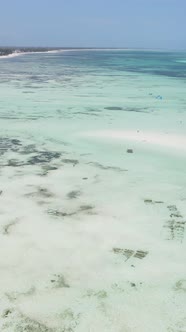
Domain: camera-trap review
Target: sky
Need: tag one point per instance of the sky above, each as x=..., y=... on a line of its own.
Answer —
x=94, y=23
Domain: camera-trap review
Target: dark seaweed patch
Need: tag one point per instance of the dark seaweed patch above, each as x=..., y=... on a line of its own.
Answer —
x=86, y=207
x=6, y=228
x=172, y=208
x=181, y=285
x=176, y=215
x=114, y=168
x=43, y=157
x=44, y=192
x=126, y=109
x=28, y=149
x=175, y=229
x=113, y=108
x=28, y=92
x=41, y=192
x=70, y=161
x=150, y=201
x=58, y=213
x=47, y=168
x=147, y=200
x=29, y=325
x=38, y=157
x=50, y=168
x=83, y=208
x=74, y=194
x=87, y=113
x=9, y=144
x=140, y=254
x=136, y=110
x=6, y=313
x=128, y=253
x=59, y=281
x=176, y=225
x=15, y=163
x=102, y=294
x=15, y=142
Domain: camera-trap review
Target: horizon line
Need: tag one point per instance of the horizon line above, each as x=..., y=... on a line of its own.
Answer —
x=92, y=47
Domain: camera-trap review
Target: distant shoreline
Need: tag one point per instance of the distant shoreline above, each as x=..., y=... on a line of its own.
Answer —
x=6, y=53
x=10, y=52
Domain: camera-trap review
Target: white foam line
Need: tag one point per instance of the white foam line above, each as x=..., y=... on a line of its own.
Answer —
x=14, y=54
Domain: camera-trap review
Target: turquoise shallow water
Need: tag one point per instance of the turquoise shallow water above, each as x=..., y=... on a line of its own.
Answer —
x=93, y=237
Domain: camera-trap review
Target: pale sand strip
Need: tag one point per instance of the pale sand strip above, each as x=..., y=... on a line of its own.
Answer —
x=155, y=138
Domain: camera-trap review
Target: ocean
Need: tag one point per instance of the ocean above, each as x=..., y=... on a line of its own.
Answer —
x=93, y=191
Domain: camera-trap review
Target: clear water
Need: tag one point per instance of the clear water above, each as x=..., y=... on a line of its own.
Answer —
x=93, y=237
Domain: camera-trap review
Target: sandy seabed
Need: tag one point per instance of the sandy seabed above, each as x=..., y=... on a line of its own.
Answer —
x=92, y=237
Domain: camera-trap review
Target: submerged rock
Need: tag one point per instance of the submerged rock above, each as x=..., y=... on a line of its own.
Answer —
x=130, y=151
x=147, y=200
x=133, y=284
